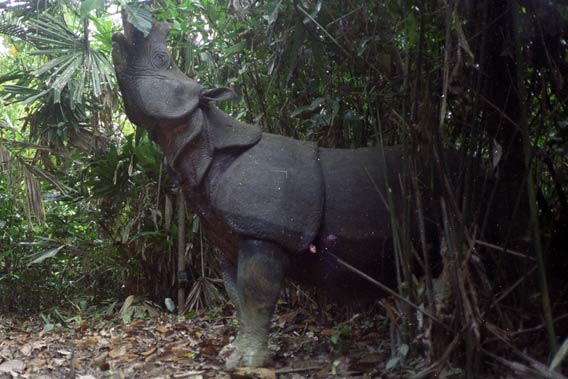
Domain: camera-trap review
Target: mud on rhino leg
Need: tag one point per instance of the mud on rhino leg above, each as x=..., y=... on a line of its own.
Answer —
x=260, y=273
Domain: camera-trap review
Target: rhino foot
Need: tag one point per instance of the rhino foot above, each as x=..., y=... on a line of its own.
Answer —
x=244, y=352
x=227, y=350
x=248, y=358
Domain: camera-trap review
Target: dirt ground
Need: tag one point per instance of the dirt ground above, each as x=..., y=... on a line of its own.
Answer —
x=306, y=344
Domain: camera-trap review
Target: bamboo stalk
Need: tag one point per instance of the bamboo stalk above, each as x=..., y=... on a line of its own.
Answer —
x=531, y=193
x=181, y=250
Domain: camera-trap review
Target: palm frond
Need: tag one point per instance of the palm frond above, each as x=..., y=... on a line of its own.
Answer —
x=14, y=30
x=33, y=200
x=39, y=173
x=20, y=172
x=73, y=64
x=12, y=75
x=51, y=36
x=5, y=158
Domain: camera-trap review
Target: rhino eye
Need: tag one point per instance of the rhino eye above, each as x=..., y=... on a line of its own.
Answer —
x=160, y=60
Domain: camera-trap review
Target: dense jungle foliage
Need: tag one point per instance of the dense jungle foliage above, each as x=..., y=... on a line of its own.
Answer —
x=90, y=216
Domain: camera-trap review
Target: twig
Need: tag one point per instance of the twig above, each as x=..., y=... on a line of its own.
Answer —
x=500, y=111
x=355, y=317
x=182, y=375
x=388, y=290
x=436, y=365
x=535, y=364
x=535, y=328
x=503, y=249
x=510, y=289
x=534, y=371
x=421, y=226
x=297, y=369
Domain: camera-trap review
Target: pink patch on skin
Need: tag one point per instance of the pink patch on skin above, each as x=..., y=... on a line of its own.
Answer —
x=313, y=249
x=331, y=238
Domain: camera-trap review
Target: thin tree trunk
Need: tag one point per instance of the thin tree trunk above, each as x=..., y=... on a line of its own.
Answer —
x=181, y=251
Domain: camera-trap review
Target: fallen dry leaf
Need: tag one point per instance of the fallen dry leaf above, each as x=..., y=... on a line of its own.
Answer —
x=328, y=332
x=14, y=365
x=253, y=373
x=149, y=352
x=89, y=341
x=126, y=358
x=163, y=329
x=368, y=362
x=171, y=347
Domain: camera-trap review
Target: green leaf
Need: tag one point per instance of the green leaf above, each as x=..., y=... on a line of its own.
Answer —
x=274, y=14
x=334, y=338
x=140, y=17
x=127, y=316
x=170, y=304
x=392, y=363
x=89, y=5
x=83, y=305
x=403, y=350
x=51, y=36
x=291, y=52
x=236, y=48
x=560, y=355
x=195, y=225
x=42, y=256
x=313, y=105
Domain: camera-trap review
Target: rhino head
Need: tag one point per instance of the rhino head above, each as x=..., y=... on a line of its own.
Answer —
x=179, y=114
x=156, y=93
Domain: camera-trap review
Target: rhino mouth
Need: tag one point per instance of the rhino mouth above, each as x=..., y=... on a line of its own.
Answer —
x=156, y=93
x=125, y=45
x=122, y=45
x=119, y=49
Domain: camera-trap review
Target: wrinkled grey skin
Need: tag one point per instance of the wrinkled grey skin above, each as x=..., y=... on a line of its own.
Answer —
x=276, y=207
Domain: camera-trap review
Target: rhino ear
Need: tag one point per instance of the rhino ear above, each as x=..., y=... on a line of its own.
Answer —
x=217, y=94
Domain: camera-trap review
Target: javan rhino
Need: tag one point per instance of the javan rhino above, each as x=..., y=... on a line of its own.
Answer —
x=275, y=206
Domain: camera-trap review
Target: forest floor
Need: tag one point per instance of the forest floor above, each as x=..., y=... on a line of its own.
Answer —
x=305, y=343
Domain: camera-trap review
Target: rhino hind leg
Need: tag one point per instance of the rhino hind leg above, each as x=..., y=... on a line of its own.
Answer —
x=261, y=269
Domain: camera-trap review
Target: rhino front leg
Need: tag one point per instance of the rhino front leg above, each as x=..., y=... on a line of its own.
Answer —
x=261, y=269
x=229, y=273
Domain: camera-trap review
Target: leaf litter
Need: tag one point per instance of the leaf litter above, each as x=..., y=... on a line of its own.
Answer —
x=306, y=343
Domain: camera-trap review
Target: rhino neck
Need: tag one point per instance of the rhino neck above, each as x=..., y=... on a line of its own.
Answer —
x=185, y=148
x=174, y=140
x=209, y=135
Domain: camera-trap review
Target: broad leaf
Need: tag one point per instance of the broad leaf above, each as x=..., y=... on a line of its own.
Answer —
x=311, y=107
x=170, y=304
x=89, y=5
x=40, y=257
x=140, y=17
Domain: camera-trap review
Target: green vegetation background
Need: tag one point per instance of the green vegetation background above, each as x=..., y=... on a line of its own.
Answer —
x=87, y=209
